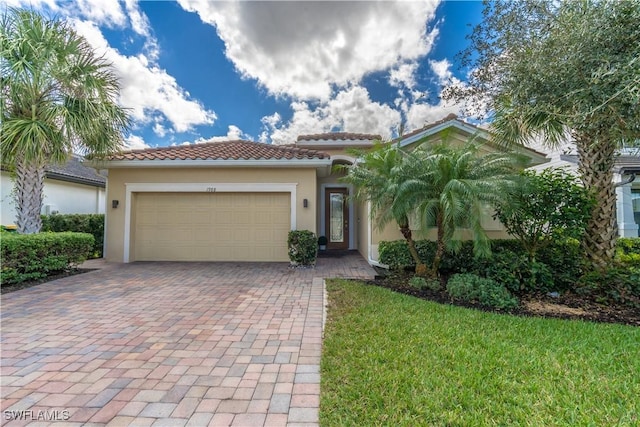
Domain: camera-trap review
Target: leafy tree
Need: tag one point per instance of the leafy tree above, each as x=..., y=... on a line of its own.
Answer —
x=376, y=177
x=559, y=69
x=441, y=185
x=58, y=97
x=452, y=187
x=551, y=205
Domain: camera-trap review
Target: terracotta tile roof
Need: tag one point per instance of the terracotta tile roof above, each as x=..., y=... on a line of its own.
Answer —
x=339, y=136
x=226, y=150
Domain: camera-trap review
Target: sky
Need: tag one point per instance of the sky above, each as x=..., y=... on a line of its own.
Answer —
x=193, y=71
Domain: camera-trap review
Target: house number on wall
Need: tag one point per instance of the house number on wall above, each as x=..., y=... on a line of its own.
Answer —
x=211, y=189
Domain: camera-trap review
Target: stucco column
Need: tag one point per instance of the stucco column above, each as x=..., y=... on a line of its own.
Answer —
x=627, y=226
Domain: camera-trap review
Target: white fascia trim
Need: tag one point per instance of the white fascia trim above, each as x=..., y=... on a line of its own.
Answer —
x=219, y=163
x=323, y=216
x=431, y=131
x=343, y=157
x=206, y=187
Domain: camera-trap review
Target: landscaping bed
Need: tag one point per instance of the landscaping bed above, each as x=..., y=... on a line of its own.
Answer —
x=567, y=305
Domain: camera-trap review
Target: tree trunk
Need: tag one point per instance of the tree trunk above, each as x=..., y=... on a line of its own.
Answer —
x=440, y=249
x=596, y=163
x=421, y=268
x=29, y=182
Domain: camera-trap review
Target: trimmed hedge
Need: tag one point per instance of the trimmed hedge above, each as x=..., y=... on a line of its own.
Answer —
x=303, y=247
x=557, y=267
x=79, y=223
x=616, y=283
x=35, y=256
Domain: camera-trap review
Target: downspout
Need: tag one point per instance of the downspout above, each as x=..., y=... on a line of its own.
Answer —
x=632, y=177
x=370, y=259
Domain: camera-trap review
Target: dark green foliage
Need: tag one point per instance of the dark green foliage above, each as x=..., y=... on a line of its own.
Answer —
x=432, y=284
x=396, y=254
x=471, y=287
x=557, y=268
x=628, y=250
x=35, y=256
x=515, y=271
x=303, y=247
x=617, y=283
x=551, y=205
x=79, y=223
x=566, y=260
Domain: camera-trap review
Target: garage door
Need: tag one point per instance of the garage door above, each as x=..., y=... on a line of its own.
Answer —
x=211, y=226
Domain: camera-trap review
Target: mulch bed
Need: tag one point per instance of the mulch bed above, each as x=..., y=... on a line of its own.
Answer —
x=565, y=306
x=5, y=289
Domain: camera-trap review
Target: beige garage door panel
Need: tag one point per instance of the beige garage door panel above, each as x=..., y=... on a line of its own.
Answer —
x=211, y=226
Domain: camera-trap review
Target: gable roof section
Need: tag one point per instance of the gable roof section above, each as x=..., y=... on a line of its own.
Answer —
x=74, y=170
x=225, y=153
x=452, y=121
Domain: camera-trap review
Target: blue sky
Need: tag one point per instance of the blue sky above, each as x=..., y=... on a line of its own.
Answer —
x=203, y=70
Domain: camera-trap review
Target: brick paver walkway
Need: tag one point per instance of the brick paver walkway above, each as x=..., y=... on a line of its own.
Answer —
x=169, y=344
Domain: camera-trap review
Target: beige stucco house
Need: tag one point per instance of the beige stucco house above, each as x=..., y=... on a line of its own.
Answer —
x=237, y=200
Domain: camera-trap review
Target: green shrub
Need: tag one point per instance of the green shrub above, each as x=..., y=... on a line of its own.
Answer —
x=618, y=283
x=79, y=223
x=303, y=247
x=396, y=254
x=471, y=287
x=628, y=250
x=565, y=259
x=35, y=256
x=423, y=283
x=557, y=267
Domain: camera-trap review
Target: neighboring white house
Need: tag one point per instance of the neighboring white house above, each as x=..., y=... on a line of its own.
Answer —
x=626, y=169
x=69, y=188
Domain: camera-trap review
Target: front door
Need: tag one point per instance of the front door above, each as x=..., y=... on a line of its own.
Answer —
x=337, y=218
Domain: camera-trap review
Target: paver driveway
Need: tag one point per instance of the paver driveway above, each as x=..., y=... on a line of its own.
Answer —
x=169, y=344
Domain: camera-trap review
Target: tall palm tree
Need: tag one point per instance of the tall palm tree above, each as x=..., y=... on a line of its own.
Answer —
x=58, y=98
x=452, y=187
x=376, y=177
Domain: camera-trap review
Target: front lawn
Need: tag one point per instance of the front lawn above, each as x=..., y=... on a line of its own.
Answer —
x=392, y=359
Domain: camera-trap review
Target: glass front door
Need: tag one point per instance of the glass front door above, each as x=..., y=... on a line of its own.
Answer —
x=337, y=218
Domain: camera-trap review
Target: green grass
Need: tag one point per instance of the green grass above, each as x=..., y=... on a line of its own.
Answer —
x=391, y=359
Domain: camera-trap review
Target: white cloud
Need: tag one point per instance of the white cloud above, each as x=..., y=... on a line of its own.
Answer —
x=234, y=133
x=135, y=142
x=159, y=130
x=404, y=75
x=352, y=110
x=442, y=70
x=102, y=12
x=302, y=48
x=419, y=114
x=147, y=89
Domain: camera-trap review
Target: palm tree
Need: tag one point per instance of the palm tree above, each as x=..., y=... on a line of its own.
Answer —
x=452, y=187
x=58, y=98
x=377, y=176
